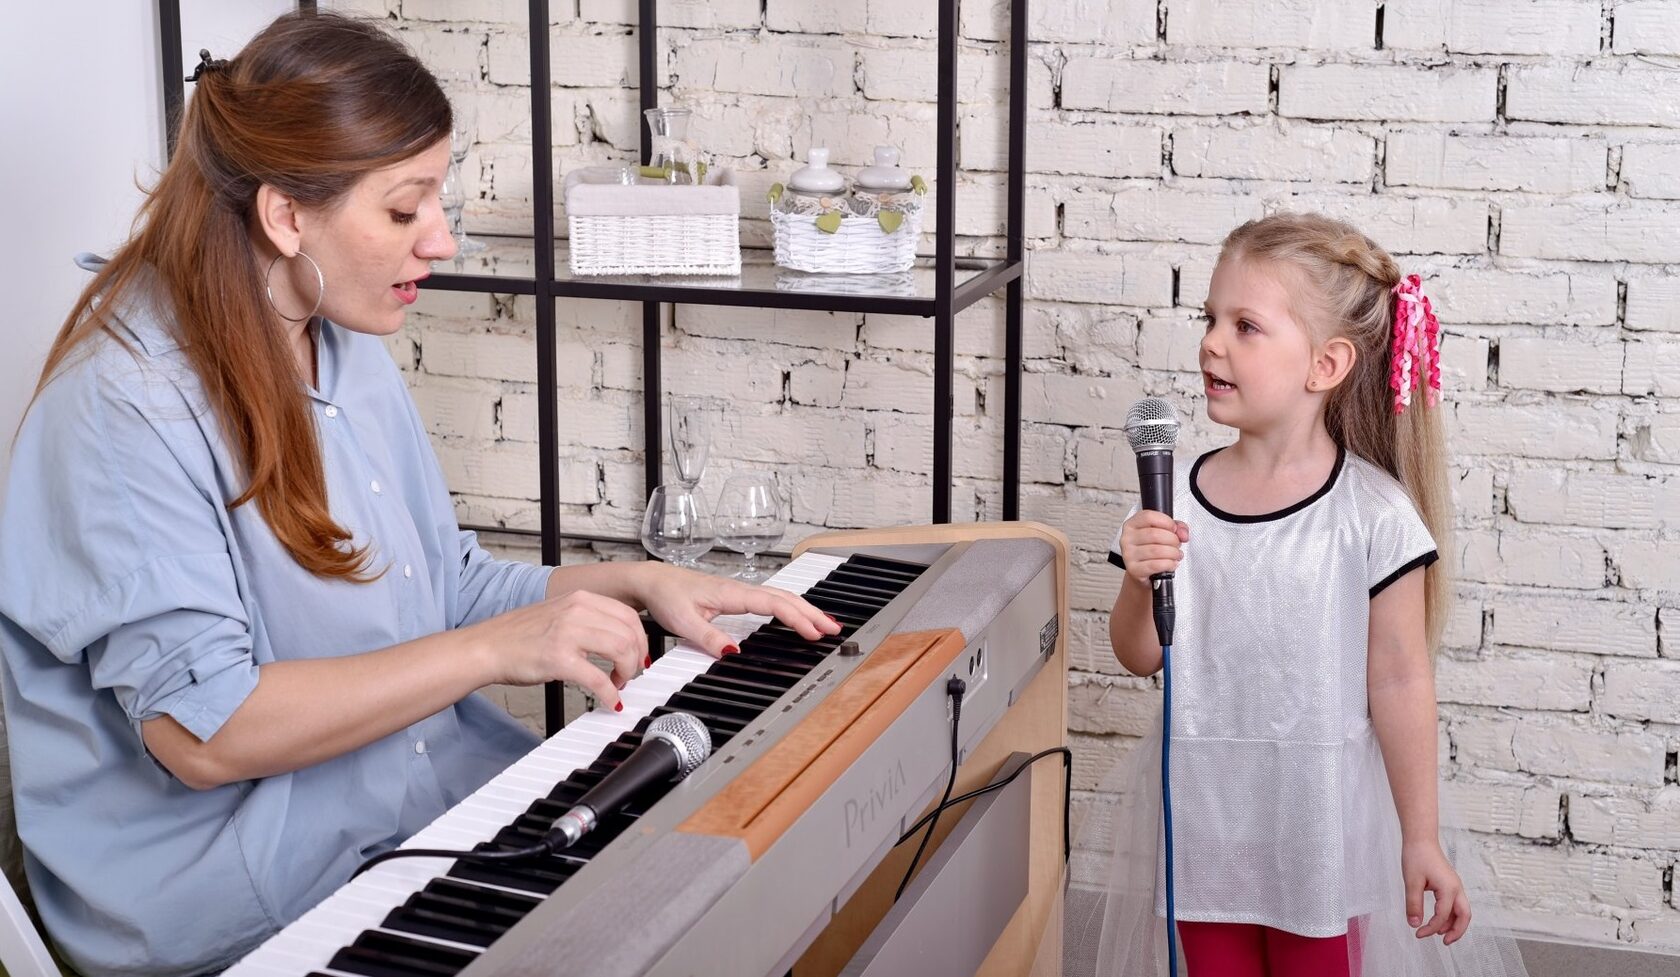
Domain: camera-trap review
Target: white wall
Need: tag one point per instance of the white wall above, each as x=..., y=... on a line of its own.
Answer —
x=84, y=104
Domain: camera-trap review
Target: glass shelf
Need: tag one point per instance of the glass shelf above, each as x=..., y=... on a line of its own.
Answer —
x=509, y=265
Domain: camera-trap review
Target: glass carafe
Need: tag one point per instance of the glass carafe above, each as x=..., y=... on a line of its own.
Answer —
x=674, y=154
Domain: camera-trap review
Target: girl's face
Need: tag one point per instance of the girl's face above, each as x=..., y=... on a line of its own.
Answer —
x=377, y=244
x=1256, y=354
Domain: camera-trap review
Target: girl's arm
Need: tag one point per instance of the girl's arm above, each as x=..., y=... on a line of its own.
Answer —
x=1150, y=543
x=1400, y=683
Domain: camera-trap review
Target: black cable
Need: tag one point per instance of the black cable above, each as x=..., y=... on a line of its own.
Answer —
x=1067, y=797
x=955, y=688
x=534, y=851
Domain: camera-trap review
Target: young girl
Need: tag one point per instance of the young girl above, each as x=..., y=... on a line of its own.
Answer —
x=1309, y=599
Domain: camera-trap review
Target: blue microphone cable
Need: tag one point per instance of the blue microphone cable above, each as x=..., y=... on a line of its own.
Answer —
x=1166, y=803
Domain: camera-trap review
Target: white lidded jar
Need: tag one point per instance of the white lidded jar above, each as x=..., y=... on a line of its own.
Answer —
x=814, y=188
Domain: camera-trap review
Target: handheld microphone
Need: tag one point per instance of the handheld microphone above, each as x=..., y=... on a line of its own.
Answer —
x=1152, y=429
x=672, y=747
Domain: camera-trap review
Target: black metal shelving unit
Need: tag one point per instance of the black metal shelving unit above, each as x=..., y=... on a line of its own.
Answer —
x=945, y=284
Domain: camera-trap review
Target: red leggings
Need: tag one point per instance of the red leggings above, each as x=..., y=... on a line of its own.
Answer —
x=1250, y=950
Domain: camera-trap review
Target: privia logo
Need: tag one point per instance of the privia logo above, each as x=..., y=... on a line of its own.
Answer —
x=862, y=812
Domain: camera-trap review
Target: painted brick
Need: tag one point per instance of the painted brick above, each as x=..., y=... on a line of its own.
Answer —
x=1548, y=431
x=1635, y=231
x=786, y=68
x=701, y=14
x=1599, y=627
x=1613, y=501
x=1100, y=705
x=1461, y=162
x=1647, y=27
x=1464, y=362
x=1153, y=214
x=1653, y=367
x=488, y=355
x=1526, y=681
x=1652, y=169
x=1563, y=366
x=1098, y=147
x=1159, y=87
x=1654, y=304
x=1642, y=690
x=1403, y=225
x=1593, y=94
x=1547, y=27
x=1568, y=751
x=1627, y=821
x=1086, y=276
x=1509, y=809
x=1079, y=21
x=1658, y=439
x=1284, y=23
x=1648, y=564
x=1575, y=298
x=1296, y=152
x=1387, y=93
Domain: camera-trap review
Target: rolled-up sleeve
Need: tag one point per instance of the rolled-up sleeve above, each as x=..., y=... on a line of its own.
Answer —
x=488, y=586
x=117, y=555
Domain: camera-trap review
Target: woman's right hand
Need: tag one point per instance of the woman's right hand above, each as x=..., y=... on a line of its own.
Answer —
x=1152, y=542
x=551, y=640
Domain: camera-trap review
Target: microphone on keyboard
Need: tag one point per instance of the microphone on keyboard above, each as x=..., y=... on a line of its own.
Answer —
x=672, y=747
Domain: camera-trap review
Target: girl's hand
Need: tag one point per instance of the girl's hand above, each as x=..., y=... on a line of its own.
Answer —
x=1152, y=542
x=684, y=602
x=1424, y=866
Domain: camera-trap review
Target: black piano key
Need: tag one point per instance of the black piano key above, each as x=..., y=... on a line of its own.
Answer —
x=770, y=651
x=890, y=588
x=377, y=954
x=758, y=697
x=489, y=900
x=756, y=684
x=863, y=595
x=698, y=699
x=887, y=564
x=786, y=676
x=792, y=638
x=423, y=921
x=845, y=611
x=722, y=728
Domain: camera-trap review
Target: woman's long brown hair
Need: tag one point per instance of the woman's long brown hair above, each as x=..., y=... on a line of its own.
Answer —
x=311, y=105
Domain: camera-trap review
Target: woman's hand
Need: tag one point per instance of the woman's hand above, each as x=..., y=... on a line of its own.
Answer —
x=684, y=602
x=1424, y=867
x=1152, y=542
x=552, y=639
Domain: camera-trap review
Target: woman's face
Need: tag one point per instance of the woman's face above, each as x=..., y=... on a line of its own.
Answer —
x=377, y=244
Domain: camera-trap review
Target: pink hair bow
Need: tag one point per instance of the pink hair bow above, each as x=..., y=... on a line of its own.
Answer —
x=1417, y=345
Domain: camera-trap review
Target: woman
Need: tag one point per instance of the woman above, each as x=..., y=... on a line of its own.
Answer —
x=240, y=624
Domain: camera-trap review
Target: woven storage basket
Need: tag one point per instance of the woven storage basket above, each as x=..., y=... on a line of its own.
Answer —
x=858, y=247
x=653, y=228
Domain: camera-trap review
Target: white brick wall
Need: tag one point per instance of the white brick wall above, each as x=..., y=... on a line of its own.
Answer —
x=1521, y=154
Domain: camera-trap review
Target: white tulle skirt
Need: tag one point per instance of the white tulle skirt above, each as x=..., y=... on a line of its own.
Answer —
x=1114, y=920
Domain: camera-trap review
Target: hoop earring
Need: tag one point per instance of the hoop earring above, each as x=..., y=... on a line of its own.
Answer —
x=320, y=287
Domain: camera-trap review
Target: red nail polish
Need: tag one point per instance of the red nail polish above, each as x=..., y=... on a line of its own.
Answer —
x=832, y=619
x=647, y=662
x=731, y=650
x=618, y=706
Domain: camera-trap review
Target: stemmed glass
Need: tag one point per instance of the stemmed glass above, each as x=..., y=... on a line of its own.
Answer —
x=677, y=527
x=690, y=431
x=460, y=141
x=749, y=519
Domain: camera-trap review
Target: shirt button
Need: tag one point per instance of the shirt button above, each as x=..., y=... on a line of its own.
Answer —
x=331, y=411
x=420, y=746
x=375, y=486
x=408, y=570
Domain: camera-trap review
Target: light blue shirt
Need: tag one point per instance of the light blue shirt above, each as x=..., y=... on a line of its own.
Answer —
x=129, y=591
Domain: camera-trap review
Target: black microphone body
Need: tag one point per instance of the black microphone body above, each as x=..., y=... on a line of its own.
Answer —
x=672, y=747
x=1152, y=429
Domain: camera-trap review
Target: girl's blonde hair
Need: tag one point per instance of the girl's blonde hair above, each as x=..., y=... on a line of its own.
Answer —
x=1349, y=293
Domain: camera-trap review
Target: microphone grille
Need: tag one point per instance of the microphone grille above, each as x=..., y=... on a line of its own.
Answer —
x=1152, y=424
x=687, y=734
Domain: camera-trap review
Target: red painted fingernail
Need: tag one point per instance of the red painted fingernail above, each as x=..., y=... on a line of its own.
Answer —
x=647, y=662
x=731, y=650
x=618, y=706
x=832, y=619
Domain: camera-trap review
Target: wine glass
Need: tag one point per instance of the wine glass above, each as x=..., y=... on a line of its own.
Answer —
x=677, y=527
x=453, y=196
x=749, y=519
x=690, y=431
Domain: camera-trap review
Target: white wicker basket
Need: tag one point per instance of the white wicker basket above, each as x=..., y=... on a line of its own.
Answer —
x=653, y=229
x=858, y=247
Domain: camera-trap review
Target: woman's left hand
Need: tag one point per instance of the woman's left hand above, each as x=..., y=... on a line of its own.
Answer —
x=1424, y=866
x=684, y=602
